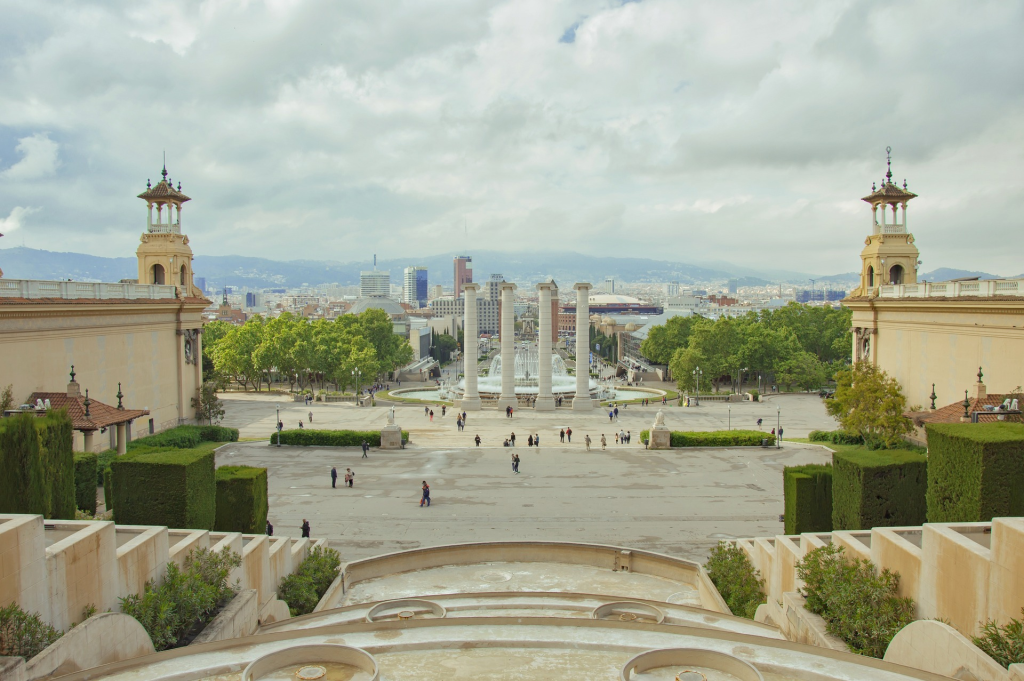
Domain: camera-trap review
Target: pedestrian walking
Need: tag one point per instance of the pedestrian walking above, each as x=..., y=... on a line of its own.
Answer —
x=444, y=410
x=616, y=410
x=780, y=433
x=629, y=437
x=536, y=439
x=616, y=438
x=604, y=442
x=515, y=463
x=568, y=435
x=477, y=440
x=561, y=435
x=305, y=528
x=586, y=441
x=350, y=477
x=512, y=438
x=270, y=529
x=334, y=477
x=759, y=422
x=611, y=415
x=426, y=411
x=426, y=495
x=529, y=440
x=311, y=417
x=300, y=424
x=366, y=448
x=431, y=415
x=773, y=431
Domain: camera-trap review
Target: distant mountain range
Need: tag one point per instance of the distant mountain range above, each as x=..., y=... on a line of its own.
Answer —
x=563, y=267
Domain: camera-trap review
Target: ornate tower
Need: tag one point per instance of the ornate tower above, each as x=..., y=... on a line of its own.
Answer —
x=889, y=255
x=164, y=254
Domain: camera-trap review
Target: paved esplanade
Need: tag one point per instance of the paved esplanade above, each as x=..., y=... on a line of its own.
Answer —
x=508, y=348
x=471, y=335
x=545, y=400
x=582, y=401
x=678, y=501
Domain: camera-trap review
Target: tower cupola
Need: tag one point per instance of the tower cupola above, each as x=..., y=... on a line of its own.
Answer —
x=164, y=254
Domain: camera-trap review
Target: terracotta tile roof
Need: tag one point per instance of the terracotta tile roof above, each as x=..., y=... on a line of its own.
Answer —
x=163, y=190
x=889, y=190
x=100, y=415
x=952, y=413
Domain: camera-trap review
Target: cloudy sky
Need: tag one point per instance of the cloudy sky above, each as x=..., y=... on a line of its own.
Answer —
x=695, y=131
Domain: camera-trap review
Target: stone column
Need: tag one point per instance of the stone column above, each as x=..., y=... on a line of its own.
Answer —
x=122, y=444
x=508, y=347
x=197, y=359
x=87, y=441
x=545, y=400
x=582, y=401
x=471, y=336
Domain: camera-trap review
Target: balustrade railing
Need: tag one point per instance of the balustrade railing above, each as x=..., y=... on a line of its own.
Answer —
x=71, y=290
x=955, y=289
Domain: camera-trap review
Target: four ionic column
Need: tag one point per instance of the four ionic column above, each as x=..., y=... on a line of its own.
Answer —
x=508, y=347
x=471, y=338
x=582, y=401
x=545, y=400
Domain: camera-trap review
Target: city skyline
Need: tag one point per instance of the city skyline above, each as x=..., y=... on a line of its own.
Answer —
x=746, y=134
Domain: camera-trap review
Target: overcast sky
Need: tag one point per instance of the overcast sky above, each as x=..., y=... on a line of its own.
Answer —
x=693, y=131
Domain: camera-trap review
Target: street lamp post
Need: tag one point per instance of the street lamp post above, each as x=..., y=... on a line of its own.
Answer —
x=358, y=375
x=730, y=417
x=697, y=374
x=778, y=426
x=278, y=425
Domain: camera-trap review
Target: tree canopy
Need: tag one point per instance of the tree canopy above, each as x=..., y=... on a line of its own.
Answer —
x=870, y=403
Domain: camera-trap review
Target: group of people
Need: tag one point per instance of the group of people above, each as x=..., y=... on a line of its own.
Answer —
x=508, y=411
x=350, y=476
x=510, y=441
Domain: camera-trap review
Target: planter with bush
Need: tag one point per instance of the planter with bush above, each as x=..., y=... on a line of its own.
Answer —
x=85, y=482
x=736, y=579
x=975, y=471
x=24, y=634
x=836, y=437
x=1004, y=644
x=307, y=437
x=185, y=437
x=304, y=588
x=859, y=606
x=808, y=498
x=883, y=488
x=241, y=499
x=177, y=610
x=174, y=488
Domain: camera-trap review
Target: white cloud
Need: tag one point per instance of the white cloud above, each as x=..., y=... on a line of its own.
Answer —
x=15, y=219
x=39, y=158
x=737, y=130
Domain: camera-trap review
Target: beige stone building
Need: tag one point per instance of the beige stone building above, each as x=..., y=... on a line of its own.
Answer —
x=926, y=333
x=145, y=336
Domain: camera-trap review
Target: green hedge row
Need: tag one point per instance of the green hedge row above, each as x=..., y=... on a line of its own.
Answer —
x=975, y=471
x=721, y=438
x=186, y=437
x=241, y=499
x=37, y=465
x=175, y=488
x=808, y=498
x=85, y=482
x=878, y=488
x=330, y=438
x=836, y=437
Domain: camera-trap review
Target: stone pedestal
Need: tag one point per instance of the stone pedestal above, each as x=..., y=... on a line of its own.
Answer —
x=661, y=438
x=582, y=401
x=391, y=437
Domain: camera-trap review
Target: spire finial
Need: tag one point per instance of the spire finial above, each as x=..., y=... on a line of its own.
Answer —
x=873, y=190
x=72, y=373
x=933, y=396
x=967, y=406
x=148, y=184
x=121, y=406
x=164, y=171
x=904, y=184
x=979, y=375
x=86, y=403
x=179, y=185
x=888, y=163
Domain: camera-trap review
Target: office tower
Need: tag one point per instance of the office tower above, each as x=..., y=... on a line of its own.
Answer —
x=374, y=283
x=415, y=286
x=463, y=272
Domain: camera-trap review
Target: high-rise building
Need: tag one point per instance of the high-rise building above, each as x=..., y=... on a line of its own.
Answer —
x=200, y=283
x=374, y=283
x=733, y=285
x=463, y=273
x=609, y=285
x=415, y=286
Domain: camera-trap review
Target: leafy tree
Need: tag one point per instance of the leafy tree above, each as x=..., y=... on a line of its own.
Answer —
x=208, y=406
x=235, y=353
x=736, y=579
x=870, y=403
x=682, y=364
x=443, y=347
x=663, y=341
x=393, y=351
x=719, y=343
x=765, y=350
x=7, y=398
x=803, y=370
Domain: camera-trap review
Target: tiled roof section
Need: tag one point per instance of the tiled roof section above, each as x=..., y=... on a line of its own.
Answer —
x=889, y=190
x=163, y=190
x=100, y=415
x=952, y=413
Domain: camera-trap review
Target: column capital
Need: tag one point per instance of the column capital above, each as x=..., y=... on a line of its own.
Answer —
x=547, y=285
x=471, y=287
x=508, y=286
x=582, y=286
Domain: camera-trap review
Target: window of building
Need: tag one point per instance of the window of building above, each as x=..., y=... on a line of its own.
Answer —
x=157, y=274
x=871, y=276
x=896, y=274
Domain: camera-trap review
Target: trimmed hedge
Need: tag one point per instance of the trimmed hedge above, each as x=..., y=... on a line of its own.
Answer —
x=836, y=437
x=21, y=466
x=174, y=488
x=58, y=464
x=976, y=471
x=241, y=499
x=878, y=488
x=108, y=488
x=721, y=438
x=808, y=498
x=307, y=437
x=186, y=437
x=103, y=460
x=85, y=482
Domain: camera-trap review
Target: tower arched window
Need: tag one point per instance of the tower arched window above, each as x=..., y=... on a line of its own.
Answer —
x=896, y=274
x=184, y=275
x=158, y=274
x=871, y=276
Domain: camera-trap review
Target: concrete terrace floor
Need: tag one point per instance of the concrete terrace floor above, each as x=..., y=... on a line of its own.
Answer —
x=679, y=502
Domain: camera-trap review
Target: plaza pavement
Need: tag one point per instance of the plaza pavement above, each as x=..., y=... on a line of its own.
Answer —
x=679, y=502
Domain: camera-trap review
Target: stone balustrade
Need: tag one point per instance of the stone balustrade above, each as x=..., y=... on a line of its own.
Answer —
x=955, y=289
x=72, y=290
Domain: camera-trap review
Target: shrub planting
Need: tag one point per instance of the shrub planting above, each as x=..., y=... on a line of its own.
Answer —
x=186, y=599
x=24, y=634
x=836, y=437
x=58, y=464
x=241, y=499
x=736, y=579
x=858, y=605
x=174, y=488
x=808, y=498
x=307, y=437
x=85, y=482
x=1004, y=644
x=303, y=589
x=884, y=488
x=185, y=437
x=721, y=438
x=21, y=466
x=975, y=471
x=103, y=460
